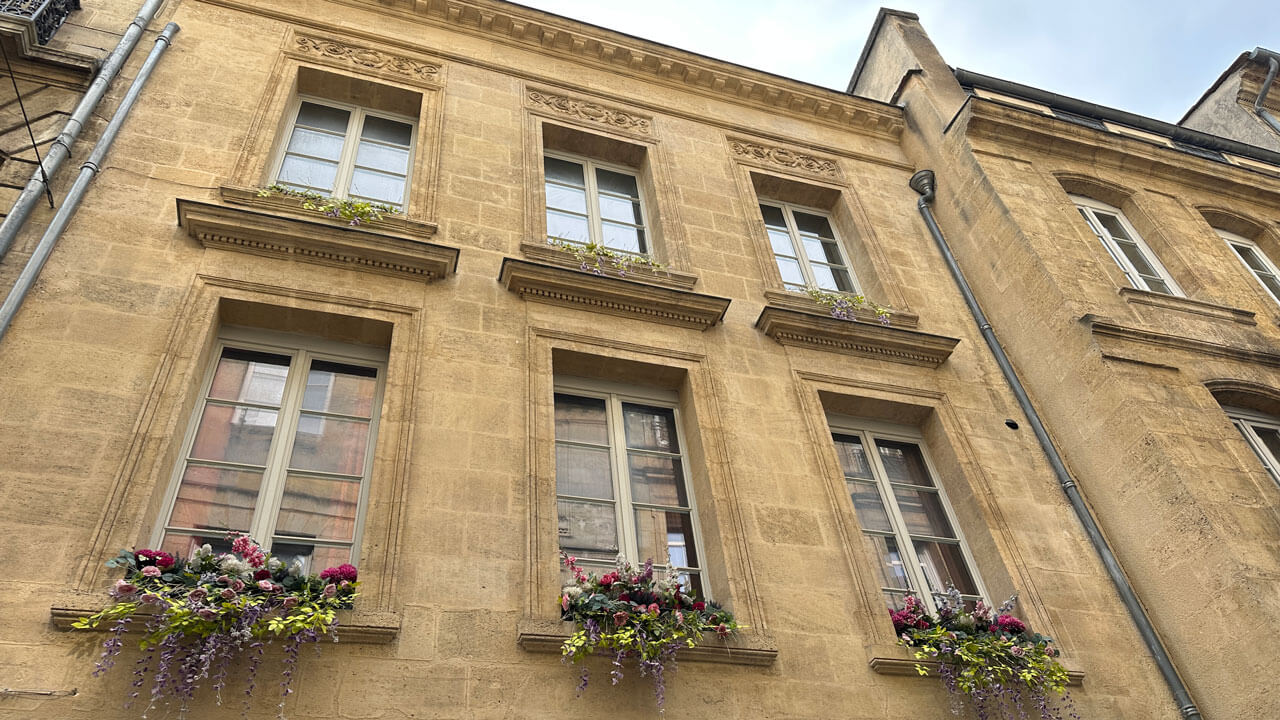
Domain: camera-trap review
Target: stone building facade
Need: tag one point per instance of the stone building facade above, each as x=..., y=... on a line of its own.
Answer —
x=469, y=388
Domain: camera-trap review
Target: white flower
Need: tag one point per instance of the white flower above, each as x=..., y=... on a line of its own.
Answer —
x=572, y=591
x=274, y=565
x=295, y=569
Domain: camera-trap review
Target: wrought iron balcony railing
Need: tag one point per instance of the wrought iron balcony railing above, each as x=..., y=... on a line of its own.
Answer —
x=46, y=16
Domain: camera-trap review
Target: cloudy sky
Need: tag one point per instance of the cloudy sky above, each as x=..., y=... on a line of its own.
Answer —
x=1153, y=58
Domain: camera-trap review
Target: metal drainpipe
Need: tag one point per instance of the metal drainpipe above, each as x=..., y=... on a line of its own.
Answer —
x=923, y=183
x=89, y=170
x=61, y=147
x=1257, y=54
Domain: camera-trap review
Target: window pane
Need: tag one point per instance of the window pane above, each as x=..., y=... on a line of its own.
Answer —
x=773, y=217
x=234, y=434
x=903, y=463
x=323, y=117
x=581, y=419
x=182, y=545
x=316, y=174
x=922, y=511
x=1138, y=258
x=944, y=566
x=249, y=376
x=381, y=157
x=888, y=560
x=1112, y=224
x=330, y=445
x=650, y=428
x=666, y=538
x=1271, y=282
x=781, y=242
x=563, y=170
x=657, y=480
x=216, y=499
x=615, y=182
x=620, y=209
x=322, y=508
x=377, y=186
x=1250, y=257
x=587, y=529
x=387, y=131
x=868, y=506
x=790, y=270
x=338, y=388
x=831, y=278
x=823, y=251
x=623, y=237
x=853, y=457
x=316, y=143
x=1157, y=285
x=813, y=224
x=315, y=558
x=567, y=227
x=583, y=472
x=1270, y=438
x=560, y=197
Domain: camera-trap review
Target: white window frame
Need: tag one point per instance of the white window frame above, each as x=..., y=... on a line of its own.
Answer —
x=615, y=394
x=868, y=431
x=302, y=350
x=1245, y=421
x=806, y=268
x=1090, y=208
x=595, y=223
x=1236, y=242
x=350, y=144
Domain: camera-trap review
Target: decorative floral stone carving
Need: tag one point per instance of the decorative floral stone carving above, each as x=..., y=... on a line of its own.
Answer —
x=785, y=158
x=591, y=112
x=366, y=57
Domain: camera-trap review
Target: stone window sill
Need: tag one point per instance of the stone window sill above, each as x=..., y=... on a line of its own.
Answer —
x=292, y=206
x=898, y=660
x=744, y=648
x=668, y=278
x=628, y=297
x=801, y=302
x=819, y=331
x=1135, y=296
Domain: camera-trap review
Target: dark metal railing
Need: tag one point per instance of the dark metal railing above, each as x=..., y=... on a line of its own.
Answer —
x=45, y=15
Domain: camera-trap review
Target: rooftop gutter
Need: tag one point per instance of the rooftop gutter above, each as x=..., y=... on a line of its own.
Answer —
x=1273, y=62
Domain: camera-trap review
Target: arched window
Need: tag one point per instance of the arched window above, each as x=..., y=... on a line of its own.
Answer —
x=1262, y=432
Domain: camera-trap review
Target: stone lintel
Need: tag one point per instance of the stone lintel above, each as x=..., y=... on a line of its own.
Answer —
x=742, y=648
x=856, y=337
x=611, y=294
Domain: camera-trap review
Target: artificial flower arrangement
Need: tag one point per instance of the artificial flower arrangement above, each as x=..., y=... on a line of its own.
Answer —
x=598, y=259
x=200, y=614
x=986, y=655
x=844, y=306
x=353, y=211
x=636, y=613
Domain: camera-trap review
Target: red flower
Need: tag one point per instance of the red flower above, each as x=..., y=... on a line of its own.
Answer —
x=699, y=606
x=624, y=597
x=609, y=579
x=345, y=571
x=262, y=574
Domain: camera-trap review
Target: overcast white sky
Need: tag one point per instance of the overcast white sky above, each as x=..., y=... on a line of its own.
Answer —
x=1153, y=58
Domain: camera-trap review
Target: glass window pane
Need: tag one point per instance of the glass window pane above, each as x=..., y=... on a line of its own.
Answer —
x=868, y=506
x=377, y=186
x=888, y=561
x=381, y=157
x=1112, y=224
x=182, y=545
x=650, y=428
x=666, y=538
x=773, y=217
x=234, y=434
x=587, y=529
x=1157, y=285
x=1249, y=257
x=306, y=172
x=330, y=444
x=616, y=182
x=1271, y=282
x=560, y=197
x=922, y=511
x=563, y=171
x=1271, y=439
x=583, y=472
x=581, y=419
x=316, y=143
x=657, y=480
x=903, y=463
x=853, y=457
x=944, y=566
x=340, y=388
x=623, y=237
x=315, y=558
x=781, y=242
x=813, y=224
x=323, y=117
x=790, y=270
x=249, y=376
x=387, y=131
x=622, y=210
x=1138, y=258
x=323, y=508
x=831, y=278
x=567, y=227
x=212, y=498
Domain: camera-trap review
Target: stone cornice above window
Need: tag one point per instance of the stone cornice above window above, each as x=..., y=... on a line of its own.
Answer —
x=898, y=660
x=279, y=227
x=868, y=339
x=627, y=297
x=744, y=648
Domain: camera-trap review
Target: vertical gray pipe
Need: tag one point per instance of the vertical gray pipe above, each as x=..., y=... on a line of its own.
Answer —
x=1273, y=66
x=89, y=170
x=61, y=147
x=923, y=183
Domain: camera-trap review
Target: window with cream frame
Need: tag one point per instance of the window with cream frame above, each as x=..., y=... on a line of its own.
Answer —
x=807, y=248
x=279, y=446
x=1255, y=261
x=622, y=482
x=1140, y=266
x=908, y=526
x=1262, y=432
x=344, y=150
x=589, y=201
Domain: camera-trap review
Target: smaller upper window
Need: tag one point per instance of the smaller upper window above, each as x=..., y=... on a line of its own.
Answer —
x=347, y=151
x=1256, y=261
x=1126, y=247
x=806, y=249
x=1262, y=432
x=592, y=202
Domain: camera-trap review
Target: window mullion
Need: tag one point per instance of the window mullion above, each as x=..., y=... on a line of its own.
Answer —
x=596, y=231
x=623, y=512
x=798, y=245
x=347, y=161
x=269, y=498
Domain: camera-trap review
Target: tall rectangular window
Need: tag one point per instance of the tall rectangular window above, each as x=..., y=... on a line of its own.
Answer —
x=621, y=480
x=1256, y=261
x=1126, y=247
x=347, y=151
x=280, y=447
x=806, y=249
x=592, y=202
x=907, y=524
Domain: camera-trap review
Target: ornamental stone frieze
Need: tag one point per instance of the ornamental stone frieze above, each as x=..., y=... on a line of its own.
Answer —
x=590, y=111
x=783, y=157
x=342, y=53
